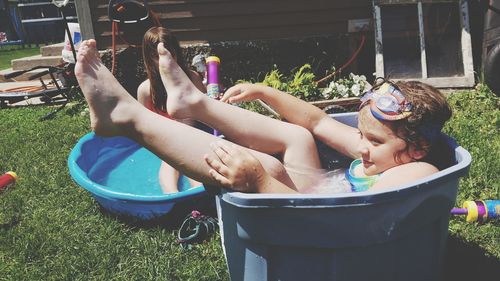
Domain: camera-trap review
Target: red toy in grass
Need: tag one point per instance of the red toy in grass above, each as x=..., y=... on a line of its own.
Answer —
x=7, y=179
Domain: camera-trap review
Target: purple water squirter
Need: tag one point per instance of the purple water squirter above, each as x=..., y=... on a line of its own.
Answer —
x=213, y=89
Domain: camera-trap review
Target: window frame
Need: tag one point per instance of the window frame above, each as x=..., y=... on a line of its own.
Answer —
x=467, y=80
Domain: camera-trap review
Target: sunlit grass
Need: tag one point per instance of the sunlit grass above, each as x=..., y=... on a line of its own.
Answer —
x=51, y=229
x=7, y=54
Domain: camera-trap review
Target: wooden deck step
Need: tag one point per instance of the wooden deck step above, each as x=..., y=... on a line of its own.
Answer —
x=22, y=77
x=52, y=50
x=29, y=62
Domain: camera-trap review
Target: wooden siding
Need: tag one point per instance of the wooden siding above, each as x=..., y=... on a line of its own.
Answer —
x=197, y=21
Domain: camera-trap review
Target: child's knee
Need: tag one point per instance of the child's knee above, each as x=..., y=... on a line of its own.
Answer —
x=276, y=169
x=303, y=138
x=302, y=149
x=273, y=166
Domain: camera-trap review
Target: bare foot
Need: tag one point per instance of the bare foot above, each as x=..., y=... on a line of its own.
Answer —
x=108, y=100
x=183, y=95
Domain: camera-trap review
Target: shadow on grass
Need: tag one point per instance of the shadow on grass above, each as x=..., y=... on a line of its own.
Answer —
x=10, y=210
x=173, y=219
x=465, y=262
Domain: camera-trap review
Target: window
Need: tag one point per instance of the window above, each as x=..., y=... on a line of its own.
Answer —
x=424, y=40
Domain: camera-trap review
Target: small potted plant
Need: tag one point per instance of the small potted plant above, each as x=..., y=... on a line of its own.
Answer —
x=343, y=92
x=339, y=95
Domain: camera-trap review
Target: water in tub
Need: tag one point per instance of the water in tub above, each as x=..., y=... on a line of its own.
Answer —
x=321, y=180
x=127, y=169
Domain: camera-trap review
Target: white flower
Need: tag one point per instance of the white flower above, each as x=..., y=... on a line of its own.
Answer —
x=326, y=93
x=342, y=90
x=352, y=86
x=355, y=90
x=354, y=77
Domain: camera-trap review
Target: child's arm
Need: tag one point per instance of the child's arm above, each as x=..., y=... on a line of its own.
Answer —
x=404, y=174
x=168, y=177
x=239, y=170
x=339, y=136
x=292, y=109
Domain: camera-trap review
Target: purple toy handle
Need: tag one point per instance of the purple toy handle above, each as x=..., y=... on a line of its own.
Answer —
x=459, y=211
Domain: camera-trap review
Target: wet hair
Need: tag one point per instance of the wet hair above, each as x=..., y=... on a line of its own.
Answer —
x=150, y=42
x=422, y=129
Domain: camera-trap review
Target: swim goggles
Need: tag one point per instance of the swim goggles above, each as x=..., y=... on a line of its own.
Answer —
x=387, y=103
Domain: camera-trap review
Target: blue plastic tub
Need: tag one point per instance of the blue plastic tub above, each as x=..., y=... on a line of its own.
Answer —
x=398, y=234
x=123, y=177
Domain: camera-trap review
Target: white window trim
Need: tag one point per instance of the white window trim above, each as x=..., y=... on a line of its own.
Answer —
x=441, y=82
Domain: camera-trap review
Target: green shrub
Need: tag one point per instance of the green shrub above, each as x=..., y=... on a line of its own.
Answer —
x=301, y=83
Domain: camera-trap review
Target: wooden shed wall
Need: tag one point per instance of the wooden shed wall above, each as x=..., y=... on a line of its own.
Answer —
x=196, y=21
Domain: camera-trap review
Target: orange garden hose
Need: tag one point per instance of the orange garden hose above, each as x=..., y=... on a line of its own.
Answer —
x=353, y=57
x=29, y=89
x=115, y=30
x=25, y=89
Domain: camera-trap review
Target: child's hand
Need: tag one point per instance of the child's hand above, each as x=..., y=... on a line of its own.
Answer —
x=235, y=168
x=242, y=93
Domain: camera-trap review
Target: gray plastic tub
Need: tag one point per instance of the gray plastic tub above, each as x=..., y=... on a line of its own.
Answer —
x=398, y=234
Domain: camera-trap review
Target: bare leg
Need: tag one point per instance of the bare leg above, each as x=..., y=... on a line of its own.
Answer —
x=168, y=178
x=293, y=143
x=114, y=112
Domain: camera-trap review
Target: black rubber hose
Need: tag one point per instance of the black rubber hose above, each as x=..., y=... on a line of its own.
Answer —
x=492, y=69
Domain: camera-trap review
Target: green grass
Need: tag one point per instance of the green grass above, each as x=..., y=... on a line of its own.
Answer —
x=475, y=125
x=51, y=229
x=10, y=53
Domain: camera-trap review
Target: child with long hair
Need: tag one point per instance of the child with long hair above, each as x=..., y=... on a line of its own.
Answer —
x=396, y=142
x=152, y=94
